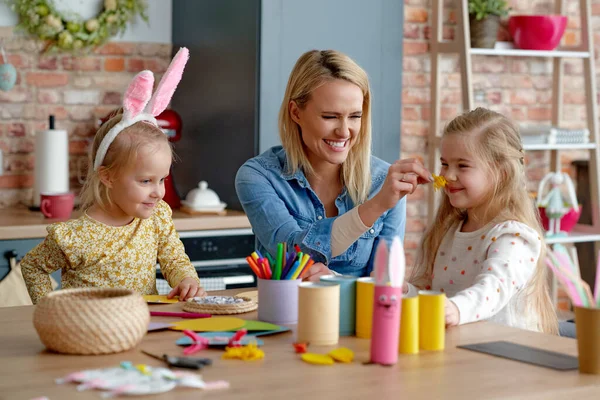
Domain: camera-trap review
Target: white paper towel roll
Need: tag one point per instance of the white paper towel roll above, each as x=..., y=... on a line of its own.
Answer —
x=51, y=163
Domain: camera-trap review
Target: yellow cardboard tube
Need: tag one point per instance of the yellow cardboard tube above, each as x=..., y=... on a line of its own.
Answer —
x=409, y=326
x=432, y=322
x=365, y=291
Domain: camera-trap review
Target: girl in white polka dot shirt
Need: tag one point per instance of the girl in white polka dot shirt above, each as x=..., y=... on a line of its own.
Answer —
x=485, y=250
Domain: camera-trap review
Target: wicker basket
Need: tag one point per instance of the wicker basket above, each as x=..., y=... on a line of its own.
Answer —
x=221, y=309
x=91, y=320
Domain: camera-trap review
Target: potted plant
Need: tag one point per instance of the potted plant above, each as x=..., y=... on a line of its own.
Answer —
x=484, y=20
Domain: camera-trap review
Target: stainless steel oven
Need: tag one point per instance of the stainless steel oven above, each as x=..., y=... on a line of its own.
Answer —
x=219, y=256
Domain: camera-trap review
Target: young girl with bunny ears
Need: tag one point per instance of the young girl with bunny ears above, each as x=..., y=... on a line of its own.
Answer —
x=126, y=227
x=486, y=250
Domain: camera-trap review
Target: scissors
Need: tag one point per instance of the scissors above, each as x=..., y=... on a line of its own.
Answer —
x=181, y=362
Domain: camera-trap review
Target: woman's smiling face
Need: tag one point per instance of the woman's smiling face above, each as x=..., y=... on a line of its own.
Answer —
x=330, y=121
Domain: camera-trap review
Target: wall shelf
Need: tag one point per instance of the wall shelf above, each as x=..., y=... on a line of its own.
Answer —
x=581, y=146
x=461, y=46
x=530, y=53
x=575, y=237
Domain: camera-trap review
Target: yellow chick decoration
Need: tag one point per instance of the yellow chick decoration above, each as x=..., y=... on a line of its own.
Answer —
x=439, y=182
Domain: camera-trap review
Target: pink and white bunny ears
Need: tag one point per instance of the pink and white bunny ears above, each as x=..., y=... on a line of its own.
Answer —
x=390, y=265
x=140, y=105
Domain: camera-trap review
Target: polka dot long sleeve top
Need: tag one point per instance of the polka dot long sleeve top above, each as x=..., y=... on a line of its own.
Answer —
x=484, y=272
x=92, y=254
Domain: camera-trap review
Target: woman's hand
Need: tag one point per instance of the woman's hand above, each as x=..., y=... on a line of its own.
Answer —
x=452, y=314
x=188, y=288
x=402, y=178
x=315, y=272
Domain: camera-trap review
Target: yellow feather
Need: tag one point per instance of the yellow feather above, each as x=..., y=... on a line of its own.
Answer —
x=439, y=182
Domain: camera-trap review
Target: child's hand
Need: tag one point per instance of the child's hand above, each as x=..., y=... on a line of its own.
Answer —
x=315, y=272
x=452, y=313
x=188, y=288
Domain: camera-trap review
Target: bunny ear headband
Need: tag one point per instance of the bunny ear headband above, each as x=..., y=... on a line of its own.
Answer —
x=140, y=105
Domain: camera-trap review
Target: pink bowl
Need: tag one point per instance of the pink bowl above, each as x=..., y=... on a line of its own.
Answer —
x=537, y=32
x=567, y=222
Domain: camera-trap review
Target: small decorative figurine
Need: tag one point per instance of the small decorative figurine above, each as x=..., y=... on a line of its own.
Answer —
x=554, y=203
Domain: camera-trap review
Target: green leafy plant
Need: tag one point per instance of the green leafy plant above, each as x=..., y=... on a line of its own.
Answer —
x=70, y=32
x=482, y=8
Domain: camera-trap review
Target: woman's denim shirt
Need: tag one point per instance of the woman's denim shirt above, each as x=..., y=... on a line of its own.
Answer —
x=282, y=207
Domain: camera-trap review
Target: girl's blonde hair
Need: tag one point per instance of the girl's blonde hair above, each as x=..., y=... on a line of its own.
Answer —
x=494, y=140
x=313, y=69
x=121, y=154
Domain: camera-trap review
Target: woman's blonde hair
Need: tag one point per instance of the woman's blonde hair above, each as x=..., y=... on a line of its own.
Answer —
x=313, y=69
x=121, y=154
x=494, y=140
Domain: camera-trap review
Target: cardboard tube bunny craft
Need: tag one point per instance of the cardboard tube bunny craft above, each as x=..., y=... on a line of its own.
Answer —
x=139, y=104
x=389, y=275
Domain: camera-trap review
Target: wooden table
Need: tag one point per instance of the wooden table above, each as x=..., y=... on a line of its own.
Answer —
x=28, y=371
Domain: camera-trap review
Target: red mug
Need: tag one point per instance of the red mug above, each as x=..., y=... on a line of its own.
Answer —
x=57, y=205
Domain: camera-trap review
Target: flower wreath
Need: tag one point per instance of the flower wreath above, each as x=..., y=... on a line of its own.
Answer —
x=40, y=18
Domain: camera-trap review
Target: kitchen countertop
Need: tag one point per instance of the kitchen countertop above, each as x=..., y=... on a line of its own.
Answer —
x=21, y=223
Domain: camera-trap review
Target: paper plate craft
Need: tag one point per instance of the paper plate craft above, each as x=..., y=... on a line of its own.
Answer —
x=128, y=379
x=220, y=305
x=252, y=295
x=209, y=324
x=159, y=299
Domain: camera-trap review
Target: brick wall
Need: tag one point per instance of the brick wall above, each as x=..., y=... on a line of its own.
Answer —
x=76, y=90
x=517, y=87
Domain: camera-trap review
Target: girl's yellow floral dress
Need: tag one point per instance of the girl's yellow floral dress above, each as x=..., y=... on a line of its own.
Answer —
x=92, y=254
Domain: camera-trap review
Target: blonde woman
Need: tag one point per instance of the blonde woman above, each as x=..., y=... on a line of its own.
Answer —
x=322, y=189
x=486, y=249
